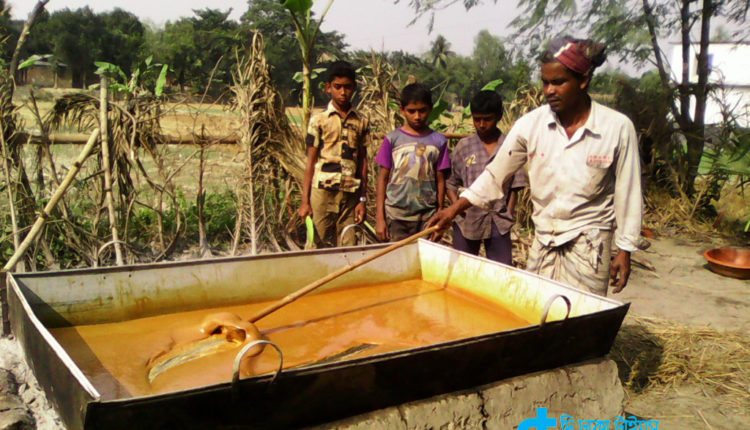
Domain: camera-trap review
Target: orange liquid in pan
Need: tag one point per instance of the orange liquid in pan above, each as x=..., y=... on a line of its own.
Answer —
x=383, y=318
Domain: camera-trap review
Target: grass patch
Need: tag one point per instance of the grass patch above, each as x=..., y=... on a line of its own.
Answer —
x=657, y=354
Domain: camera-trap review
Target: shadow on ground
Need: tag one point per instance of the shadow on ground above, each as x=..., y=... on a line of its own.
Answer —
x=638, y=353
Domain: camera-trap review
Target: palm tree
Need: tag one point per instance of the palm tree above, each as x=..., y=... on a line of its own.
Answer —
x=440, y=51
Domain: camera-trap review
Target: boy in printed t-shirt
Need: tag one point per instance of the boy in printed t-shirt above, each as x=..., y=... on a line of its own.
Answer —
x=335, y=182
x=414, y=161
x=470, y=156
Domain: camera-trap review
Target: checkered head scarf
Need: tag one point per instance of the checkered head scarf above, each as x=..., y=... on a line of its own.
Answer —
x=579, y=55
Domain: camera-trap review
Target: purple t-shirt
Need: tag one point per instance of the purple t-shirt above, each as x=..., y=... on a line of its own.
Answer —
x=413, y=161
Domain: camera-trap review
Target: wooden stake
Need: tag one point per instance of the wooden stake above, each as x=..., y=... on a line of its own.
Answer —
x=106, y=166
x=37, y=227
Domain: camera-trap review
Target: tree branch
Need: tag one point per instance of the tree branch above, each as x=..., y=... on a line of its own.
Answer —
x=660, y=66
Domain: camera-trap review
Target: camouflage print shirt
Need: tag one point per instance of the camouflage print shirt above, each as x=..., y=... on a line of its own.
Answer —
x=338, y=141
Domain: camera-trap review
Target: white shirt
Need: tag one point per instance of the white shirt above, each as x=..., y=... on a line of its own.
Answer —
x=587, y=181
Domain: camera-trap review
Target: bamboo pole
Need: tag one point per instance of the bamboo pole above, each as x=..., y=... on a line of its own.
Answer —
x=331, y=276
x=231, y=139
x=37, y=227
x=106, y=166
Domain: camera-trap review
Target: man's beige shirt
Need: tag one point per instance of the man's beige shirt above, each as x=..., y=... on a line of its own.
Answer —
x=588, y=181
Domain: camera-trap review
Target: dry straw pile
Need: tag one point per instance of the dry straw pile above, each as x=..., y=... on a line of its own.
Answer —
x=658, y=354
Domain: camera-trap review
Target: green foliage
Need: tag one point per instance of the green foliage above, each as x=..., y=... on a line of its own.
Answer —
x=110, y=70
x=148, y=78
x=9, y=33
x=199, y=50
x=729, y=155
x=79, y=37
x=492, y=85
x=31, y=61
x=439, y=109
x=440, y=51
x=161, y=80
x=314, y=74
x=489, y=86
x=464, y=76
x=220, y=213
x=271, y=19
x=298, y=6
x=123, y=39
x=6, y=241
x=306, y=30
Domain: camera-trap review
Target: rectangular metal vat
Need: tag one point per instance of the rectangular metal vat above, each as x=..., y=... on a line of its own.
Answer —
x=304, y=396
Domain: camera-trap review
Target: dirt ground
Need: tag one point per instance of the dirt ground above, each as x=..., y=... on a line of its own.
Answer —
x=679, y=289
x=682, y=290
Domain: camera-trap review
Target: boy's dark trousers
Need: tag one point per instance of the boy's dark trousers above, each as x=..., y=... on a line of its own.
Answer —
x=401, y=229
x=498, y=247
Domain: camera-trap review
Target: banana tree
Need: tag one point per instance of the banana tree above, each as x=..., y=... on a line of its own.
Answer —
x=306, y=30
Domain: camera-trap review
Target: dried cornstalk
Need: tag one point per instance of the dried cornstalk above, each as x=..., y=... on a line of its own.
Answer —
x=268, y=140
x=10, y=187
x=103, y=126
x=37, y=227
x=203, y=247
x=134, y=132
x=378, y=90
x=525, y=100
x=8, y=126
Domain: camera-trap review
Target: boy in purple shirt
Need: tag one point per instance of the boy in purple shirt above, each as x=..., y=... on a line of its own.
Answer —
x=470, y=156
x=414, y=162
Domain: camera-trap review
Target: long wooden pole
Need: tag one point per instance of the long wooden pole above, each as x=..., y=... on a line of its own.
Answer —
x=331, y=276
x=107, y=167
x=37, y=227
x=232, y=139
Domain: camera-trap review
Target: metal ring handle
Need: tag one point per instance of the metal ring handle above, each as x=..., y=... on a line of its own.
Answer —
x=351, y=226
x=240, y=355
x=549, y=305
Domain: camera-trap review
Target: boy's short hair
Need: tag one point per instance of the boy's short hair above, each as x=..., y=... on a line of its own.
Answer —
x=485, y=102
x=341, y=69
x=416, y=92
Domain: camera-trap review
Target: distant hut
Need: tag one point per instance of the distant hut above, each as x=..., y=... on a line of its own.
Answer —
x=45, y=74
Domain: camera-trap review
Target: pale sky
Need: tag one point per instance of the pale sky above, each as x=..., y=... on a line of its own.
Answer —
x=366, y=24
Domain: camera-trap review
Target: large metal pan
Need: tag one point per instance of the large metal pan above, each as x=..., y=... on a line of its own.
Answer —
x=579, y=326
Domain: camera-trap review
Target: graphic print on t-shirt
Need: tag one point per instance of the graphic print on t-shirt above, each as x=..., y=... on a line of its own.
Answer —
x=413, y=176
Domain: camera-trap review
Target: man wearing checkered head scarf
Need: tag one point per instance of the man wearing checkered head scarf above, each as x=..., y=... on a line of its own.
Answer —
x=584, y=175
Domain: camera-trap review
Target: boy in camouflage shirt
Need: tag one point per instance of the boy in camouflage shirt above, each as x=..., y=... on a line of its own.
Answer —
x=335, y=182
